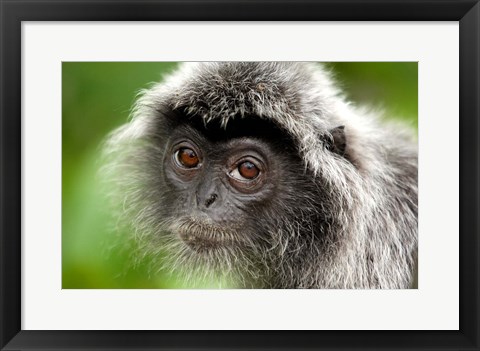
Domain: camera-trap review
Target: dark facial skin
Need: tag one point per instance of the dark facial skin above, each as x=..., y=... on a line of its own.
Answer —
x=222, y=181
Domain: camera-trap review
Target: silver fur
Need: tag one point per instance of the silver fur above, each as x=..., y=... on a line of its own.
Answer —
x=372, y=195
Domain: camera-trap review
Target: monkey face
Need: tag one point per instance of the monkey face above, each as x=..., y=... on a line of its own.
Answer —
x=218, y=184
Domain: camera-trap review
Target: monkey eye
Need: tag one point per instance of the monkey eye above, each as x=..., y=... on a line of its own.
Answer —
x=245, y=171
x=187, y=157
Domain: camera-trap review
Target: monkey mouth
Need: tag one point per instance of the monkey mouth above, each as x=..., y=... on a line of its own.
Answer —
x=204, y=236
x=202, y=242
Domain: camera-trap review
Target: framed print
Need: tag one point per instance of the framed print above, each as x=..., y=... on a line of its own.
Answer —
x=317, y=162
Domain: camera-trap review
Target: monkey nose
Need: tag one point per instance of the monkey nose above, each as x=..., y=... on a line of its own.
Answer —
x=206, y=199
x=210, y=200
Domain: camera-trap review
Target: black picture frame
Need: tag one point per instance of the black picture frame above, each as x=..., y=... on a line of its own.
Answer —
x=13, y=12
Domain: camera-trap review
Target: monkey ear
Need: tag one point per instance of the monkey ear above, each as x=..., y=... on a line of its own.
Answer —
x=336, y=140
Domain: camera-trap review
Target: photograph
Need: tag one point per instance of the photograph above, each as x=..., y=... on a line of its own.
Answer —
x=263, y=175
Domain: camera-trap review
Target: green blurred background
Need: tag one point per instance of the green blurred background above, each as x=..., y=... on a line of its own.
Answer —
x=96, y=98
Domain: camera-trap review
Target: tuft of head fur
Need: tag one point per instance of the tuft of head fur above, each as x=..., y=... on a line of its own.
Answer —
x=357, y=223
